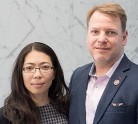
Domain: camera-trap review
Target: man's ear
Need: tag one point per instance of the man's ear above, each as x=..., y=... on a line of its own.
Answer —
x=124, y=40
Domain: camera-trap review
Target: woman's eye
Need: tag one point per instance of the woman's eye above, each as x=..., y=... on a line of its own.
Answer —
x=29, y=68
x=45, y=67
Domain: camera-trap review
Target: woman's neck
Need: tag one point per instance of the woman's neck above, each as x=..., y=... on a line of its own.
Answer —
x=41, y=100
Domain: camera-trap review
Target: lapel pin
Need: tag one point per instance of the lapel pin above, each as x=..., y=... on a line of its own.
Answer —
x=116, y=82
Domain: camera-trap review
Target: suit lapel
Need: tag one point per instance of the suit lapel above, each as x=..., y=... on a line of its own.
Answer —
x=82, y=95
x=111, y=89
x=107, y=97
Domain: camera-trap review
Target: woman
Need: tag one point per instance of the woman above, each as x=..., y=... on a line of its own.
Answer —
x=39, y=94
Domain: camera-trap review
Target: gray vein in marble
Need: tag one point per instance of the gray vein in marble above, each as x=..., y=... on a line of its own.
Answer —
x=19, y=44
x=80, y=22
x=28, y=33
x=38, y=10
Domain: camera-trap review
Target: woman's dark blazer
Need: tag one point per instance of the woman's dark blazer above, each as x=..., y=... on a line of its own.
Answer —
x=3, y=120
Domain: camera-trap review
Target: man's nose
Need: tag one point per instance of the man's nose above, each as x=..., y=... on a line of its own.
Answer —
x=102, y=38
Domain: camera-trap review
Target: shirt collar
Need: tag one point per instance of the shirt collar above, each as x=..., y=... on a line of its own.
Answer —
x=111, y=70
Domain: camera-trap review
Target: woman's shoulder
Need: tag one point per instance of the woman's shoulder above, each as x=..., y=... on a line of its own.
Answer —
x=3, y=120
x=1, y=112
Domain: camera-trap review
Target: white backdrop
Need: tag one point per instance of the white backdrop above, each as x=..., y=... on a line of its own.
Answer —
x=59, y=23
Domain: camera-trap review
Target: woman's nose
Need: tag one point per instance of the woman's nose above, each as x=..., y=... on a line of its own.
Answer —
x=37, y=73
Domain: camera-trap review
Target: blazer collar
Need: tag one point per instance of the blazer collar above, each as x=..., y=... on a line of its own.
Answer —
x=82, y=94
x=111, y=88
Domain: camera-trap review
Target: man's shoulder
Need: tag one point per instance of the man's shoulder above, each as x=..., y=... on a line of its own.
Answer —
x=82, y=70
x=84, y=67
x=127, y=64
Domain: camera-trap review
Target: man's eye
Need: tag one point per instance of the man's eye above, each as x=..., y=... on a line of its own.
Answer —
x=94, y=32
x=111, y=33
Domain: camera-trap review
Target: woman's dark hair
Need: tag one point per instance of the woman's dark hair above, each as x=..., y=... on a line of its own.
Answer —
x=19, y=108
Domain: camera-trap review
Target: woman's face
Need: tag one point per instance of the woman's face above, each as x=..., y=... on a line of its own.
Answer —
x=37, y=73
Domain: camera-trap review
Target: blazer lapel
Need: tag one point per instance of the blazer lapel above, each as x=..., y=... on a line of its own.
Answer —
x=111, y=89
x=82, y=95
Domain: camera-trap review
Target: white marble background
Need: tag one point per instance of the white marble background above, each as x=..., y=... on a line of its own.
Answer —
x=59, y=23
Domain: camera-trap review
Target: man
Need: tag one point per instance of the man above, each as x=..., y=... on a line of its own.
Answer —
x=105, y=91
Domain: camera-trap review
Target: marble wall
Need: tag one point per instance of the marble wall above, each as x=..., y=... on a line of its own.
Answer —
x=59, y=23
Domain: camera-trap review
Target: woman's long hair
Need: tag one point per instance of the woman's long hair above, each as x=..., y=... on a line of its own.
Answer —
x=19, y=108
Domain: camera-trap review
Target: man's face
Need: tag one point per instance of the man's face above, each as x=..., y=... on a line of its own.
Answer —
x=105, y=38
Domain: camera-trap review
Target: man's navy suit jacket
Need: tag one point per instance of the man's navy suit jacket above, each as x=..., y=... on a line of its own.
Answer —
x=118, y=104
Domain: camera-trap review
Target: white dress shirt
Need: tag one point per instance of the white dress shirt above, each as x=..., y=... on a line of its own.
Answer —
x=95, y=89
